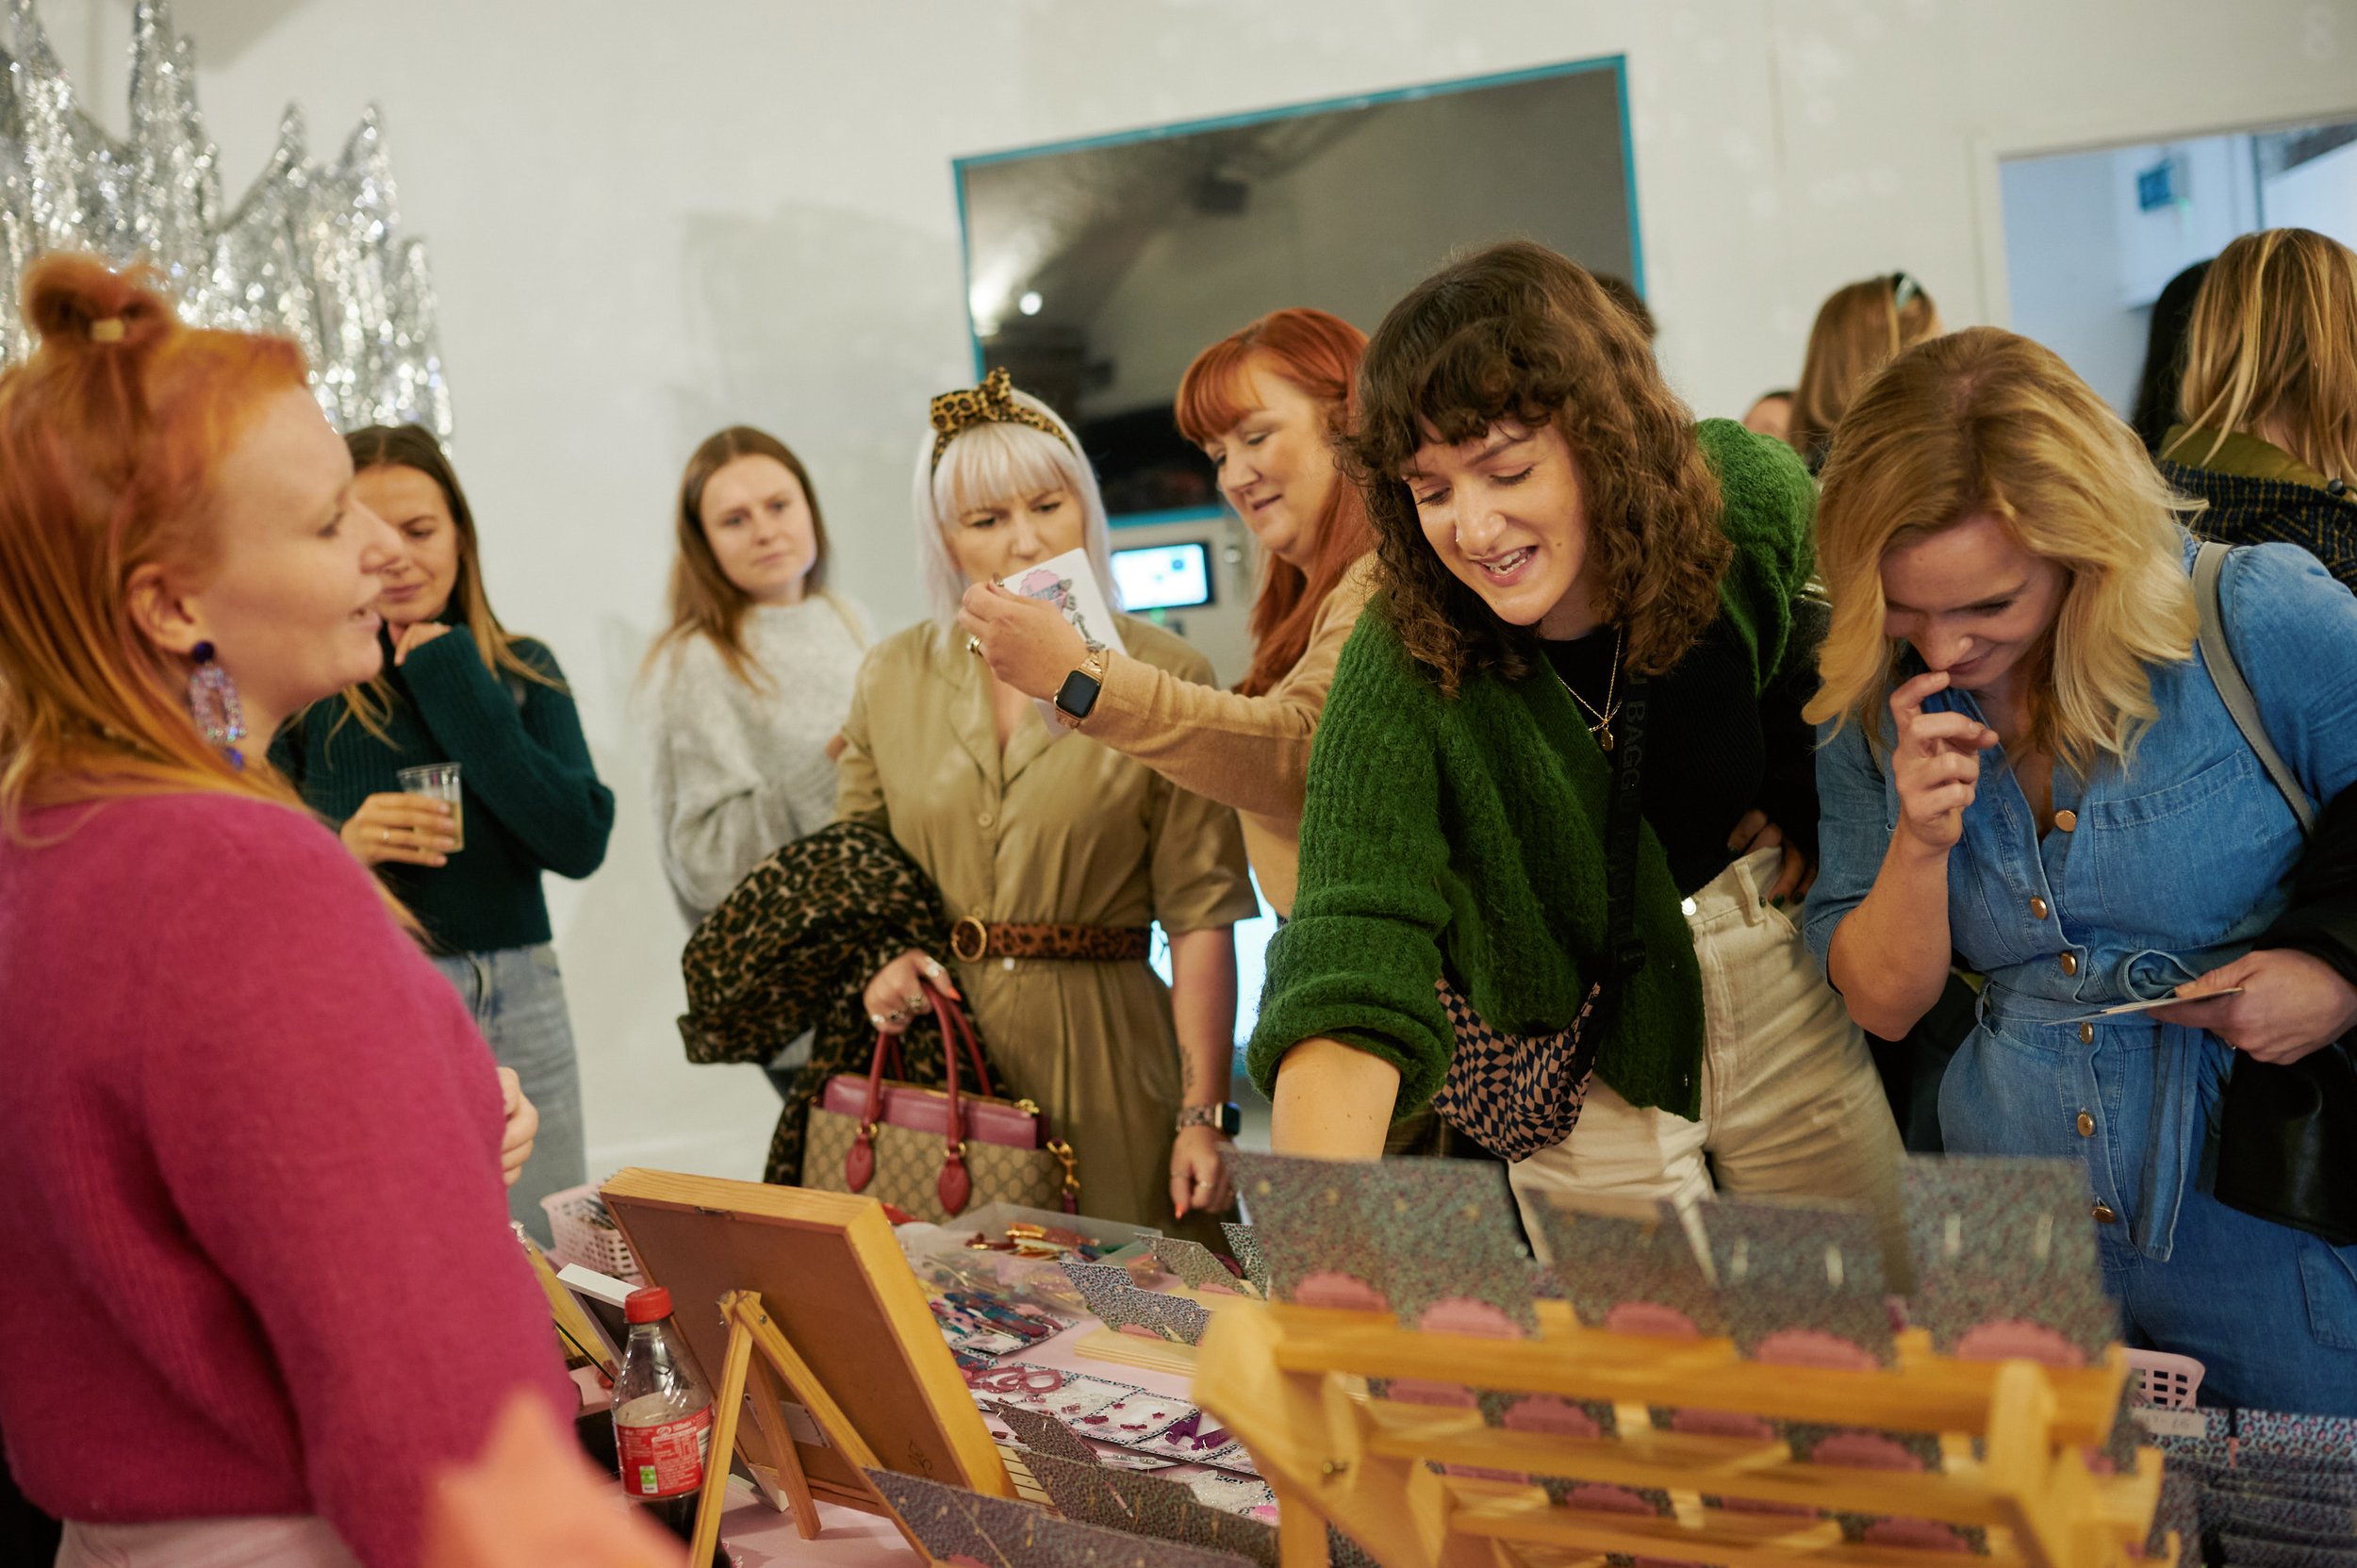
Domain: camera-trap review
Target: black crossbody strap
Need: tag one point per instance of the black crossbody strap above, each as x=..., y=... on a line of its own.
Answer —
x=1624, y=951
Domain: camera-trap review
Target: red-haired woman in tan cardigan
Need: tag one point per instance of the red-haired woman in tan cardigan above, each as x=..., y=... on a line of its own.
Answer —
x=1261, y=403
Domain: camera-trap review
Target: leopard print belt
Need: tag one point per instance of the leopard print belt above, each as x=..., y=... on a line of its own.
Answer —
x=971, y=940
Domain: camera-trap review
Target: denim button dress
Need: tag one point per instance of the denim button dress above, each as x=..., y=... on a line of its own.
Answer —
x=2167, y=868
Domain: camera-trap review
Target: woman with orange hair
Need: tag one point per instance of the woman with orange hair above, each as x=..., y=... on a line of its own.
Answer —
x=1263, y=404
x=230, y=1068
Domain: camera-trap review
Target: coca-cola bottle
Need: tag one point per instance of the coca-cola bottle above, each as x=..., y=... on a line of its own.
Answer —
x=662, y=1415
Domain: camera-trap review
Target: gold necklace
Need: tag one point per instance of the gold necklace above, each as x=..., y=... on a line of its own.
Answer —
x=1602, y=728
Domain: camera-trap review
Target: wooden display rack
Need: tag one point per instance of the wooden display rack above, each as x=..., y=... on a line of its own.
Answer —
x=1284, y=1378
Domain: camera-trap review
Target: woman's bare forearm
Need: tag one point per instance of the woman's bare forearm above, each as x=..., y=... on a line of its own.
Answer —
x=1889, y=957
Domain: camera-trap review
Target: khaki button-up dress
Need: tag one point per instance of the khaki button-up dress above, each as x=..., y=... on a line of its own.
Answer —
x=1059, y=831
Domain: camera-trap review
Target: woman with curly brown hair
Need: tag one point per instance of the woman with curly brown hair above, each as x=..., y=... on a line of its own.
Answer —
x=1581, y=595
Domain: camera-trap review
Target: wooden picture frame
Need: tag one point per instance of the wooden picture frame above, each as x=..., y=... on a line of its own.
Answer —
x=831, y=1276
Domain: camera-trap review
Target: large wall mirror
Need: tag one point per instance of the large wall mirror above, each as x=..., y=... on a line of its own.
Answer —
x=2093, y=235
x=1096, y=270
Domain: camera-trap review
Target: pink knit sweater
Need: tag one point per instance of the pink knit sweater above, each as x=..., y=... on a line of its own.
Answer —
x=256, y=1250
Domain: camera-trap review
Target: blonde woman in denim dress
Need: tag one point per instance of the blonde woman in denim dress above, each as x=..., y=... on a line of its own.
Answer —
x=2027, y=765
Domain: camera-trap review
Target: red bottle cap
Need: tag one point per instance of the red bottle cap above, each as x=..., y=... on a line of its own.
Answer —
x=647, y=1304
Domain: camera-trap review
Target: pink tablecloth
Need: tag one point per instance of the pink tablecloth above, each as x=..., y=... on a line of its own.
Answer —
x=758, y=1538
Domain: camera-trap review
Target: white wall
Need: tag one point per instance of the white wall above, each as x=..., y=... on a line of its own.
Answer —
x=647, y=220
x=2319, y=194
x=2062, y=256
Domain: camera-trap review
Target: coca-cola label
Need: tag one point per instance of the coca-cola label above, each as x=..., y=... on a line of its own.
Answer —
x=667, y=1460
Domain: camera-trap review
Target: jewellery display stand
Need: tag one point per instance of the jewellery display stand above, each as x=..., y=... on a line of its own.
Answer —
x=1285, y=1379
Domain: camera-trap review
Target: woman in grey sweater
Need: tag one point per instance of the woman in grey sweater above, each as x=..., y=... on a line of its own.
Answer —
x=753, y=682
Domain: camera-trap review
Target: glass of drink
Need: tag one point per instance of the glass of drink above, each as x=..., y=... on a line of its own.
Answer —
x=439, y=782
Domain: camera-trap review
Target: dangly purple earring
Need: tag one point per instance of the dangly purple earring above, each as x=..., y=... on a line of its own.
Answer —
x=213, y=701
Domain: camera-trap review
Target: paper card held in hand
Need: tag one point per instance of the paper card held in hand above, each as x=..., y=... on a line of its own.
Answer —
x=1069, y=583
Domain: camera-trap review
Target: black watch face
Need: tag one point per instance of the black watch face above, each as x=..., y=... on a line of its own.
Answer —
x=1079, y=694
x=1230, y=1119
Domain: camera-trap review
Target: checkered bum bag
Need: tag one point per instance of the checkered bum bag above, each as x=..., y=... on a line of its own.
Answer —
x=1518, y=1094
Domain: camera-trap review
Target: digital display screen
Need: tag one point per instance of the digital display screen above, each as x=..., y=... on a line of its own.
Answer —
x=1164, y=576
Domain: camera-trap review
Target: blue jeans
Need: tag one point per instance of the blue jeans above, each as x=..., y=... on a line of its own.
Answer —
x=517, y=996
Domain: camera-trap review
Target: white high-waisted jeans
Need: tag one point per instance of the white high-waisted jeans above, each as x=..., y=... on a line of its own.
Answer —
x=1790, y=1103
x=304, y=1541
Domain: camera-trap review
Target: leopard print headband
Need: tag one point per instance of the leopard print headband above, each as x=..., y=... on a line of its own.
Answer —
x=992, y=403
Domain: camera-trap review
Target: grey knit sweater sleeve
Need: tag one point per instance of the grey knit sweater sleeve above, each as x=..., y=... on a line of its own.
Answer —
x=741, y=769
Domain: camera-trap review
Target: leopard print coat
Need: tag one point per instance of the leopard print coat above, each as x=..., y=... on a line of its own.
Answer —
x=792, y=951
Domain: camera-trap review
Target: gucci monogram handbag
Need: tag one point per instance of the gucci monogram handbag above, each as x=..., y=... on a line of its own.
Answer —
x=935, y=1152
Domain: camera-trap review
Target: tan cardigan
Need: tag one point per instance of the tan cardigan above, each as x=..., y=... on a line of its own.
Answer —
x=1249, y=752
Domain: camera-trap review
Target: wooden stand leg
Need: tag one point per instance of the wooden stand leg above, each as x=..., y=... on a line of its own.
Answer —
x=727, y=1402
x=791, y=1481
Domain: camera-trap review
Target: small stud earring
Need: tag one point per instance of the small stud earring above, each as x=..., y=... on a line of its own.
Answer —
x=213, y=703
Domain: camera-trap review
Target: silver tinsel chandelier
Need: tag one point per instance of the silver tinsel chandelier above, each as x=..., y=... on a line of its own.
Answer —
x=310, y=253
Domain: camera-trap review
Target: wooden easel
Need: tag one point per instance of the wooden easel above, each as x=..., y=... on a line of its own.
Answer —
x=751, y=1328
x=1282, y=1378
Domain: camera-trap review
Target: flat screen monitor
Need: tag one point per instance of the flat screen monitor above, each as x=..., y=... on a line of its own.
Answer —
x=1164, y=576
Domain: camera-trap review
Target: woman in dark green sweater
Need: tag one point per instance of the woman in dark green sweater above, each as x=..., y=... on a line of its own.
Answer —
x=1565, y=558
x=458, y=687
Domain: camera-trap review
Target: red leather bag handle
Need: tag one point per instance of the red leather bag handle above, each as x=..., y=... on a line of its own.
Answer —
x=955, y=1185
x=956, y=1027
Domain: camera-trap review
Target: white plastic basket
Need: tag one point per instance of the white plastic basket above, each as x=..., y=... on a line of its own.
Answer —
x=584, y=1236
x=2165, y=1381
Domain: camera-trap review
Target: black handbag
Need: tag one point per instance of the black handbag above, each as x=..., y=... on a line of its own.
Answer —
x=2287, y=1133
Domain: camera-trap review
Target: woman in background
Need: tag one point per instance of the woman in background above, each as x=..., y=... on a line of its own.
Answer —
x=457, y=687
x=2269, y=397
x=1054, y=855
x=2164, y=374
x=752, y=680
x=1770, y=414
x=233, y=1080
x=1264, y=404
x=2027, y=765
x=1860, y=328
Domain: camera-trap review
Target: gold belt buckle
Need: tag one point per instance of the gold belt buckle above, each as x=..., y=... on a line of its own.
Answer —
x=971, y=928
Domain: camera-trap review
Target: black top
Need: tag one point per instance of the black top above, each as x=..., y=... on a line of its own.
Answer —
x=531, y=796
x=1713, y=750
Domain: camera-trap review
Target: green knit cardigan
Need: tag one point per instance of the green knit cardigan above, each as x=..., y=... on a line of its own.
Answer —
x=1469, y=834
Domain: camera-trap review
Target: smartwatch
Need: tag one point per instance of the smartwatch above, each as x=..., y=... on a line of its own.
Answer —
x=1078, y=696
x=1229, y=1118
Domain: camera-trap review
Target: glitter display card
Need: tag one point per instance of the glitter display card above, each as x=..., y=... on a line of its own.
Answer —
x=1634, y=1276
x=1197, y=1267
x=1245, y=1244
x=1448, y=1245
x=1309, y=1225
x=1040, y=1432
x=954, y=1523
x=1119, y=1304
x=1151, y=1507
x=2005, y=1260
x=1802, y=1285
x=1434, y=1241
